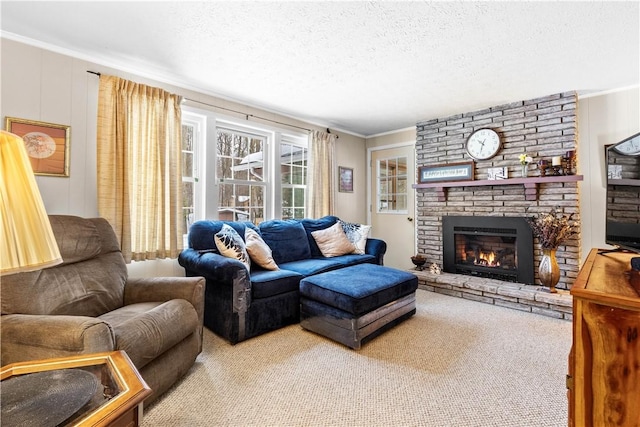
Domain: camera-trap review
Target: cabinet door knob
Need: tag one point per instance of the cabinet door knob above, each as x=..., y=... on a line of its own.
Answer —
x=409, y=219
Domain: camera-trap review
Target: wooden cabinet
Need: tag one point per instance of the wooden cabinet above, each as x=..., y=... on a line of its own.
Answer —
x=604, y=363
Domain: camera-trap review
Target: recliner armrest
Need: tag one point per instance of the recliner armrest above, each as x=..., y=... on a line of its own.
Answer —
x=32, y=337
x=154, y=289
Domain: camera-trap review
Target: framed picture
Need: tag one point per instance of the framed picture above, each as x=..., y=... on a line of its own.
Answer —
x=47, y=145
x=345, y=179
x=462, y=171
x=498, y=173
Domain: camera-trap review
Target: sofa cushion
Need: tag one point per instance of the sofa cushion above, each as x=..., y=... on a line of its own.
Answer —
x=259, y=252
x=357, y=234
x=311, y=266
x=267, y=283
x=354, y=259
x=311, y=225
x=333, y=241
x=231, y=245
x=287, y=240
x=360, y=288
x=146, y=330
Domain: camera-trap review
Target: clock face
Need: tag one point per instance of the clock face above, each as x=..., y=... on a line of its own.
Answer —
x=630, y=147
x=483, y=144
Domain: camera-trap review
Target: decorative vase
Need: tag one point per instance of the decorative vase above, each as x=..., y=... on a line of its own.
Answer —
x=524, y=171
x=548, y=271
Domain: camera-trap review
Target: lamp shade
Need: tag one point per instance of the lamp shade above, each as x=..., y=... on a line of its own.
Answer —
x=27, y=242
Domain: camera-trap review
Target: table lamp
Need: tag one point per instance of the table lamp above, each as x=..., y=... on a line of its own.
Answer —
x=27, y=242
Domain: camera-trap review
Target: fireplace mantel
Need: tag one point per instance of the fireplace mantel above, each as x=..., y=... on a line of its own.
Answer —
x=530, y=184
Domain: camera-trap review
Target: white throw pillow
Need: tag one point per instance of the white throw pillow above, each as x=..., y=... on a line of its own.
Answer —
x=357, y=234
x=258, y=250
x=332, y=241
x=231, y=245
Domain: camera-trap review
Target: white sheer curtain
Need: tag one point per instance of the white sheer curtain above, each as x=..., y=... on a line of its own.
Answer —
x=322, y=175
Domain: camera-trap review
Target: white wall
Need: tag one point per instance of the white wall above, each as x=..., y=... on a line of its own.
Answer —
x=603, y=119
x=38, y=84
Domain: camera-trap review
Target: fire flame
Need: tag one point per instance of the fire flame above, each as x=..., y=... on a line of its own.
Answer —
x=487, y=259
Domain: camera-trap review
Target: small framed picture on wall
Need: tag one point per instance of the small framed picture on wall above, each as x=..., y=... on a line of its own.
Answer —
x=47, y=145
x=345, y=179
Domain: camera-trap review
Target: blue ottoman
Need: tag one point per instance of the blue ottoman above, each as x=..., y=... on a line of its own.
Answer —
x=355, y=304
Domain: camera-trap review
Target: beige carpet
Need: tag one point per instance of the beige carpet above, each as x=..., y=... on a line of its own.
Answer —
x=455, y=363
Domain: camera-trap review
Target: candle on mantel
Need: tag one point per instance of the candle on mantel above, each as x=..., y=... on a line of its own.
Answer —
x=556, y=161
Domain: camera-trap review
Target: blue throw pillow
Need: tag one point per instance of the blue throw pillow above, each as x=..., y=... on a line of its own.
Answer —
x=287, y=240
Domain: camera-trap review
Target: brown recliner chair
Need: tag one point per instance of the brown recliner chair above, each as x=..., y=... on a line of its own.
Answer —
x=88, y=305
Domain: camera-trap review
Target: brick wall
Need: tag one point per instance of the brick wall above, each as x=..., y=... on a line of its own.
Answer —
x=542, y=128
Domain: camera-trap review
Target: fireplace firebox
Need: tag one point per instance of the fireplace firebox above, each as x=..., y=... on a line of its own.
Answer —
x=486, y=246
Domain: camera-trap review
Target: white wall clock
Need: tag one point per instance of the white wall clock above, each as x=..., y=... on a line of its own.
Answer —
x=483, y=144
x=629, y=147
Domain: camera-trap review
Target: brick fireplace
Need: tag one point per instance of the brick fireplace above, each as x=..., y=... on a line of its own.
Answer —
x=542, y=128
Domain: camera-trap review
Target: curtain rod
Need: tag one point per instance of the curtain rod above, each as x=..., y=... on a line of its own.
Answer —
x=238, y=112
x=246, y=115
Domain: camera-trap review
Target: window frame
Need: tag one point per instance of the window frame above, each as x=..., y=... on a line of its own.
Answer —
x=395, y=193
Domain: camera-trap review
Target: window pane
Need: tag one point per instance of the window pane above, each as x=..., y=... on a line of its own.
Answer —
x=187, y=164
x=402, y=166
x=224, y=168
x=402, y=185
x=187, y=137
x=287, y=197
x=298, y=175
x=382, y=168
x=285, y=171
x=244, y=154
x=299, y=197
x=384, y=186
x=241, y=202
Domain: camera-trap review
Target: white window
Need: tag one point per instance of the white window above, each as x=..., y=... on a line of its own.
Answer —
x=247, y=172
x=392, y=185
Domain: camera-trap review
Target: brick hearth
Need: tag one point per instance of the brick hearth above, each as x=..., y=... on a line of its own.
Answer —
x=531, y=298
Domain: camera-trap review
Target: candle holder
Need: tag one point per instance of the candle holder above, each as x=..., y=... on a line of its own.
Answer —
x=543, y=165
x=557, y=165
x=569, y=162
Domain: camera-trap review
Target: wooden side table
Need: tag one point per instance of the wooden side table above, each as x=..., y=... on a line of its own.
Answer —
x=117, y=402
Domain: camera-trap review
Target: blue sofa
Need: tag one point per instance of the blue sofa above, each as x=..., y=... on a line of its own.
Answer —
x=240, y=304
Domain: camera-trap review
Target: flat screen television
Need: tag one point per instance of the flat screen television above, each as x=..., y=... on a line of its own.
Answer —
x=623, y=194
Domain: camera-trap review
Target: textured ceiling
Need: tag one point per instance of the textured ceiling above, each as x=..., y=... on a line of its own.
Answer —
x=361, y=67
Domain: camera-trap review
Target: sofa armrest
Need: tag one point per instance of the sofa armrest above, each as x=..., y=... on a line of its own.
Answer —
x=219, y=272
x=377, y=248
x=152, y=289
x=32, y=337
